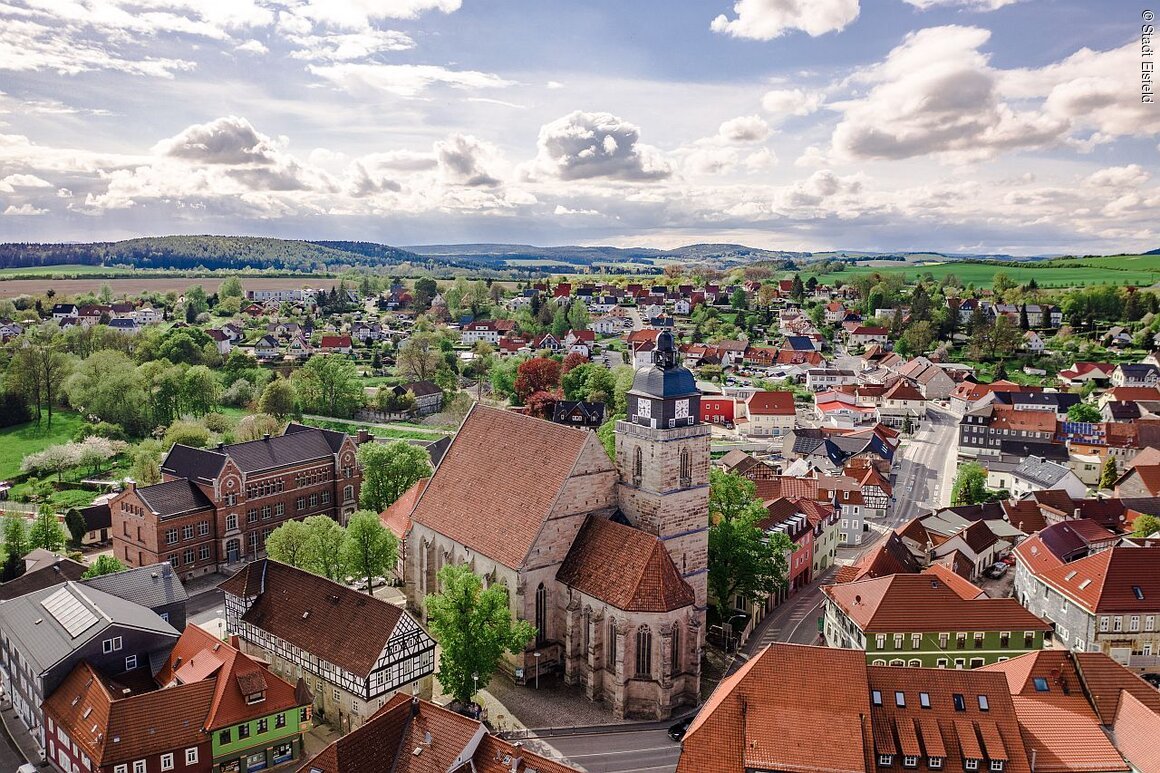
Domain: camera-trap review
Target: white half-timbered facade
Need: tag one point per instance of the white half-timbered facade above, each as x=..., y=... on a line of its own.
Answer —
x=355, y=651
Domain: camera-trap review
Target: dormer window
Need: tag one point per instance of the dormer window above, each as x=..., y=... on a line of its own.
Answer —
x=934, y=763
x=970, y=764
x=997, y=766
x=255, y=697
x=885, y=760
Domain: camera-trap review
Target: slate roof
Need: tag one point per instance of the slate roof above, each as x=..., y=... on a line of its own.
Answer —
x=499, y=480
x=175, y=497
x=150, y=586
x=48, y=642
x=1043, y=474
x=42, y=577
x=891, y=557
x=645, y=578
x=332, y=621
x=97, y=516
x=421, y=388
x=903, y=603
x=297, y=444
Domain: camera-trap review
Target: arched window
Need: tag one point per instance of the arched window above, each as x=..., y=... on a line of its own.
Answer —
x=541, y=614
x=676, y=664
x=610, y=662
x=231, y=521
x=686, y=469
x=348, y=493
x=643, y=651
x=637, y=466
x=585, y=638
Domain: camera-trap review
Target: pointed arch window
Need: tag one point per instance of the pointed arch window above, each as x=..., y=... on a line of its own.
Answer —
x=644, y=651
x=686, y=469
x=676, y=664
x=611, y=661
x=637, y=466
x=541, y=614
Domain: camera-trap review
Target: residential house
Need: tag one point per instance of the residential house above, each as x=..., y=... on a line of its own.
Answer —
x=63, y=311
x=216, y=506
x=578, y=413
x=981, y=430
x=902, y=404
x=153, y=587
x=42, y=574
x=1141, y=375
x=46, y=633
x=267, y=348
x=919, y=620
x=354, y=650
x=221, y=340
x=1033, y=343
x=409, y=735
x=1034, y=473
x=887, y=718
x=821, y=379
x=428, y=396
x=1108, y=601
x=335, y=344
x=486, y=330
x=1082, y=372
x=771, y=414
x=864, y=335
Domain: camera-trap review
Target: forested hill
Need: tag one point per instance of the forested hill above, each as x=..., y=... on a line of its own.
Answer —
x=212, y=252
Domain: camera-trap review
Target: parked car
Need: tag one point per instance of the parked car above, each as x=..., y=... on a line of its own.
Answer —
x=996, y=570
x=677, y=730
x=1152, y=679
x=1009, y=559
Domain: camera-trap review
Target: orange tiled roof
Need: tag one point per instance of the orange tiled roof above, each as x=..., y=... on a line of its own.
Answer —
x=644, y=579
x=913, y=602
x=499, y=480
x=1137, y=727
x=1108, y=581
x=767, y=715
x=1105, y=681
x=397, y=516
x=771, y=404
x=964, y=588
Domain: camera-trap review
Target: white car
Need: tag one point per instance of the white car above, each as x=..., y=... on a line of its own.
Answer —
x=27, y=767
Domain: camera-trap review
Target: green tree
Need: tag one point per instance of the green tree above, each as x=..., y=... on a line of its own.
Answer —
x=419, y=357
x=607, y=434
x=797, y=290
x=474, y=628
x=46, y=531
x=590, y=381
x=744, y=560
x=146, y=464
x=1001, y=283
x=425, y=290
x=16, y=539
x=578, y=316
x=325, y=547
x=106, y=385
x=970, y=486
x=231, y=287
x=1145, y=526
x=105, y=564
x=1084, y=412
x=370, y=548
x=201, y=390
x=739, y=300
x=278, y=398
x=77, y=528
x=1109, y=474
x=329, y=385
x=389, y=469
x=187, y=433
x=290, y=544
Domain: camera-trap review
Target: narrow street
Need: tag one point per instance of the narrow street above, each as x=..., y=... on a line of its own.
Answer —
x=646, y=751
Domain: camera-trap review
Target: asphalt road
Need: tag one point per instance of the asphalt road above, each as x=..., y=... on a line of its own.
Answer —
x=644, y=751
x=10, y=757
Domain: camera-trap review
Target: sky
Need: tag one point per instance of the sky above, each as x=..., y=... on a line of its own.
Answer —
x=968, y=126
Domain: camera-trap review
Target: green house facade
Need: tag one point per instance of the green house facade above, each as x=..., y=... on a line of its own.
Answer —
x=917, y=620
x=260, y=743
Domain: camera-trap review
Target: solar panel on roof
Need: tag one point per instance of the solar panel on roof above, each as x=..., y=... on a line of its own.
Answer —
x=68, y=610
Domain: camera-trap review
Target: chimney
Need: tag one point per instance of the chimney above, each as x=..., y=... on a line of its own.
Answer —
x=516, y=762
x=362, y=436
x=266, y=436
x=414, y=705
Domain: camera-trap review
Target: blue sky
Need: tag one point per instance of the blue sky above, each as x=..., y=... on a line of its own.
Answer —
x=959, y=125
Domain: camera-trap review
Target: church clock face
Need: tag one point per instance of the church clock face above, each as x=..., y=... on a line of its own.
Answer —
x=682, y=409
x=644, y=409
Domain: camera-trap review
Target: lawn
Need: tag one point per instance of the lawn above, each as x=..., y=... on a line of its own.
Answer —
x=1061, y=273
x=21, y=440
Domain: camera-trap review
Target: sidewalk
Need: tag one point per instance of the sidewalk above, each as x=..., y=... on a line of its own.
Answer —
x=19, y=734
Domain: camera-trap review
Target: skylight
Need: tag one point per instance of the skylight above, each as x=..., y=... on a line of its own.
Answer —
x=1071, y=574
x=68, y=610
x=1138, y=592
x=1085, y=583
x=1041, y=684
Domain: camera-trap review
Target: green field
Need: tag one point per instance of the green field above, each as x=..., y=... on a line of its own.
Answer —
x=21, y=440
x=66, y=270
x=1140, y=270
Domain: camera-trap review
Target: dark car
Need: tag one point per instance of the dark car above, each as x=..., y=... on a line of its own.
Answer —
x=678, y=729
x=1152, y=679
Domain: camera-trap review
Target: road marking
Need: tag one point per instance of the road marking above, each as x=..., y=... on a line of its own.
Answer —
x=671, y=747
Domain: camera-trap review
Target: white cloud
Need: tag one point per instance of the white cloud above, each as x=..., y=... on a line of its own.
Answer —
x=562, y=210
x=405, y=80
x=1132, y=175
x=746, y=128
x=791, y=102
x=10, y=183
x=26, y=210
x=359, y=14
x=349, y=46
x=464, y=160
x=585, y=145
x=936, y=93
x=255, y=47
x=227, y=140
x=769, y=19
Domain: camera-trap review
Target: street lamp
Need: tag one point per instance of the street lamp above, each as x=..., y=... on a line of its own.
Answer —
x=475, y=678
x=537, y=670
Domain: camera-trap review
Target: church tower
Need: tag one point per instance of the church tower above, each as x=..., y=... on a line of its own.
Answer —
x=662, y=458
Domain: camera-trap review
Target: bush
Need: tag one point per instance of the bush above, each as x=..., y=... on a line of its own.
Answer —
x=216, y=422
x=105, y=429
x=187, y=433
x=240, y=393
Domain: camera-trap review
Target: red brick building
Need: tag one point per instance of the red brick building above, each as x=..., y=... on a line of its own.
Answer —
x=215, y=507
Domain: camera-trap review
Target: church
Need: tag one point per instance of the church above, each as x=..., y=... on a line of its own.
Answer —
x=607, y=559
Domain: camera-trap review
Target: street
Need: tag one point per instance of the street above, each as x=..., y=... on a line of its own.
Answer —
x=647, y=751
